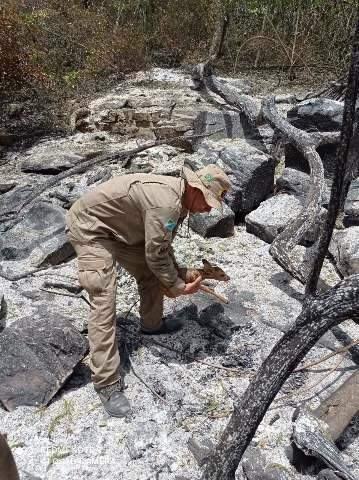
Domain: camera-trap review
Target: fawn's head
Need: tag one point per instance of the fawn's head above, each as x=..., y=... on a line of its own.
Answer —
x=211, y=271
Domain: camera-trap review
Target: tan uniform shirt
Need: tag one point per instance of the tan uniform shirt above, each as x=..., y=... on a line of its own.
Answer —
x=136, y=209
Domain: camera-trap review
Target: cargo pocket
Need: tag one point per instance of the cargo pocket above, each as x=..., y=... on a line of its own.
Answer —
x=94, y=274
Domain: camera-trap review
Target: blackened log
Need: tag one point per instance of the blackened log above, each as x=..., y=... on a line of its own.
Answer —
x=312, y=436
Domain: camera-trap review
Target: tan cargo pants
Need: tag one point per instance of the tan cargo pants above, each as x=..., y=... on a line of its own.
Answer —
x=97, y=274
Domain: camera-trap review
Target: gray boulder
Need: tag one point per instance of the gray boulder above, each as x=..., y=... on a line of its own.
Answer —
x=213, y=224
x=297, y=183
x=251, y=173
x=13, y=199
x=40, y=235
x=229, y=122
x=345, y=249
x=250, y=170
x=315, y=114
x=49, y=162
x=6, y=187
x=273, y=215
x=37, y=355
x=52, y=251
x=320, y=114
x=293, y=182
x=351, y=207
x=66, y=196
x=257, y=467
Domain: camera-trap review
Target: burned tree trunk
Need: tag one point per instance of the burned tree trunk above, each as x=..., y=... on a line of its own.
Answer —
x=325, y=311
x=319, y=314
x=203, y=70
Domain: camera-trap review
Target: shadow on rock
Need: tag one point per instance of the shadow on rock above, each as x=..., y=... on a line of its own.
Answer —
x=281, y=280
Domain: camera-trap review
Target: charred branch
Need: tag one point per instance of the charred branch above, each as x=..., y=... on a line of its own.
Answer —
x=282, y=248
x=336, y=90
x=311, y=436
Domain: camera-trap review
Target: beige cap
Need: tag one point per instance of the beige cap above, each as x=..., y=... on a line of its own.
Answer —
x=213, y=183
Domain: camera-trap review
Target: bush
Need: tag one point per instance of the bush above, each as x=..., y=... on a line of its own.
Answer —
x=55, y=49
x=17, y=68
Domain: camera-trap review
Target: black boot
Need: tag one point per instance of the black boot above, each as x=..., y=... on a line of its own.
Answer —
x=114, y=400
x=170, y=325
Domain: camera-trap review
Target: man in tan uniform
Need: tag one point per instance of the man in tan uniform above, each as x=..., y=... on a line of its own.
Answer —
x=132, y=220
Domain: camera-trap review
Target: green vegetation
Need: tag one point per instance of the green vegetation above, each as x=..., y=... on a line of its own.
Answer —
x=66, y=415
x=69, y=42
x=58, y=455
x=61, y=49
x=17, y=444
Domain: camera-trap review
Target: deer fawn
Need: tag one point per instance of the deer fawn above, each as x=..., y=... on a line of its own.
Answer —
x=208, y=272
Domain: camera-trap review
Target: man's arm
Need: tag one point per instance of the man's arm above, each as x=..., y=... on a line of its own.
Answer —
x=160, y=223
x=171, y=250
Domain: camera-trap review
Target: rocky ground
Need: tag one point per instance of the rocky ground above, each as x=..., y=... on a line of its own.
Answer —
x=182, y=388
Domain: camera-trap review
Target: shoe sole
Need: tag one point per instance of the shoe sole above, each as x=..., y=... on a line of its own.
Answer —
x=117, y=416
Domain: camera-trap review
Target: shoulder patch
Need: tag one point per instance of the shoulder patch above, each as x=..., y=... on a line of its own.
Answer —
x=170, y=225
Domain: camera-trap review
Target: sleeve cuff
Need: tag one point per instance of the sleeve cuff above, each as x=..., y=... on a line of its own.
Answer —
x=177, y=287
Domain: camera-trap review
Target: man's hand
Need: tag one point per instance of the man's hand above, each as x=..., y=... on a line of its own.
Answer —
x=192, y=287
x=189, y=288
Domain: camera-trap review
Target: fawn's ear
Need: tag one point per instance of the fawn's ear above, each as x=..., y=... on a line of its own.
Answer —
x=206, y=262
